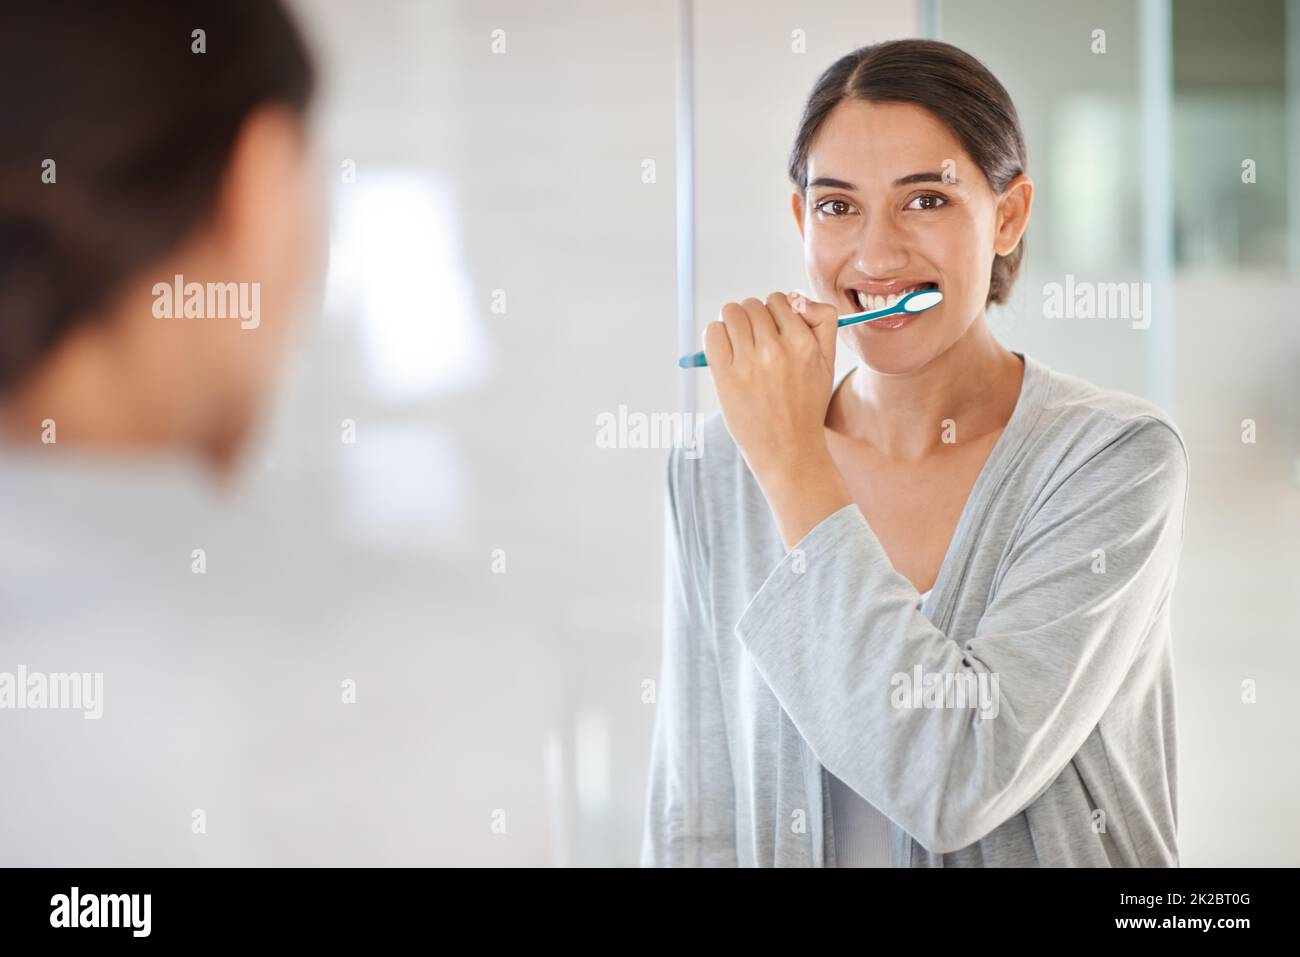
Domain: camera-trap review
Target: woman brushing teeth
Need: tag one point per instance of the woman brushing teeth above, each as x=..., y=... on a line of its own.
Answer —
x=939, y=509
x=883, y=213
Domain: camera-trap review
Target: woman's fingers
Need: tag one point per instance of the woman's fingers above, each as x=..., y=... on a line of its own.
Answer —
x=740, y=331
x=717, y=345
x=761, y=321
x=798, y=302
x=751, y=326
x=787, y=323
x=822, y=318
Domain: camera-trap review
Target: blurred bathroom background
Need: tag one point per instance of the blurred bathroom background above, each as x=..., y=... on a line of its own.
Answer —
x=528, y=226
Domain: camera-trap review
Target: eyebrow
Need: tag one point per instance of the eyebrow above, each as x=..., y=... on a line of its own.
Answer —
x=926, y=177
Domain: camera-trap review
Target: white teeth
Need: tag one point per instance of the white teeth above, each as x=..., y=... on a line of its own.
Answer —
x=870, y=303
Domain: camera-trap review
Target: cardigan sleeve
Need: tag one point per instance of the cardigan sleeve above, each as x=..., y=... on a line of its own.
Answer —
x=838, y=635
x=690, y=804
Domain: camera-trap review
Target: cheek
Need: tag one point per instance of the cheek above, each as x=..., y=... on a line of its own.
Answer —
x=963, y=253
x=823, y=261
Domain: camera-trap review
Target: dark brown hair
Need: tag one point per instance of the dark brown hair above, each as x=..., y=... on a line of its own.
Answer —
x=955, y=87
x=140, y=128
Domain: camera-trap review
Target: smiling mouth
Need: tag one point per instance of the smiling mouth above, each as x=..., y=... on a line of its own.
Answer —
x=869, y=303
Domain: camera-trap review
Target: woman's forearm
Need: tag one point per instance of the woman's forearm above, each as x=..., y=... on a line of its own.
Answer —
x=802, y=489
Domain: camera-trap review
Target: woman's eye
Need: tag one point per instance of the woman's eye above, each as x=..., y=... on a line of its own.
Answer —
x=927, y=201
x=840, y=206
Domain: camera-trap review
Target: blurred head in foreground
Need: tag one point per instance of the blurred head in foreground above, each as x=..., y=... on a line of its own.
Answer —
x=158, y=220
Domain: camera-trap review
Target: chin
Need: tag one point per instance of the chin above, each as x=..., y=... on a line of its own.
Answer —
x=887, y=354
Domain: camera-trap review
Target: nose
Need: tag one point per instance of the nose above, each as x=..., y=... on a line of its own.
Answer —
x=880, y=250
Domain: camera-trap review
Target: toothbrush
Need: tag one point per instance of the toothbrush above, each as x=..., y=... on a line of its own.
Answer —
x=918, y=301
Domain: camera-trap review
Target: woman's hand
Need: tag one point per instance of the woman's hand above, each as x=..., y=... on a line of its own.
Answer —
x=773, y=369
x=773, y=366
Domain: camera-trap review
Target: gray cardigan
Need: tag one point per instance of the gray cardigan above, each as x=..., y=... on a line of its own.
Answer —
x=1053, y=599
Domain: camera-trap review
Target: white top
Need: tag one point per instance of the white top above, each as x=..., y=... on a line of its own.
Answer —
x=861, y=832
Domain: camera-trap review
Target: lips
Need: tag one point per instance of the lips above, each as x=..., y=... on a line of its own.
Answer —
x=873, y=297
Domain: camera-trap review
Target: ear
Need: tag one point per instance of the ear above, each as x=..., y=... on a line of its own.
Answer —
x=796, y=206
x=255, y=201
x=1013, y=214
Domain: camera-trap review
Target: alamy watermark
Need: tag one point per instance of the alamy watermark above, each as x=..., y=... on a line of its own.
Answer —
x=936, y=689
x=651, y=430
x=23, y=690
x=1098, y=300
x=129, y=911
x=211, y=300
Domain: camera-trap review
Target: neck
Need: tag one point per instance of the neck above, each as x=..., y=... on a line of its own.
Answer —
x=975, y=383
x=95, y=394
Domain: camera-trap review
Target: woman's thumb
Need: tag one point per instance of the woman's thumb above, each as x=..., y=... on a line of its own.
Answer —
x=822, y=319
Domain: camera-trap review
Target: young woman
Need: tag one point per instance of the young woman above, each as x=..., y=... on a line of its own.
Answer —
x=133, y=151
x=918, y=616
